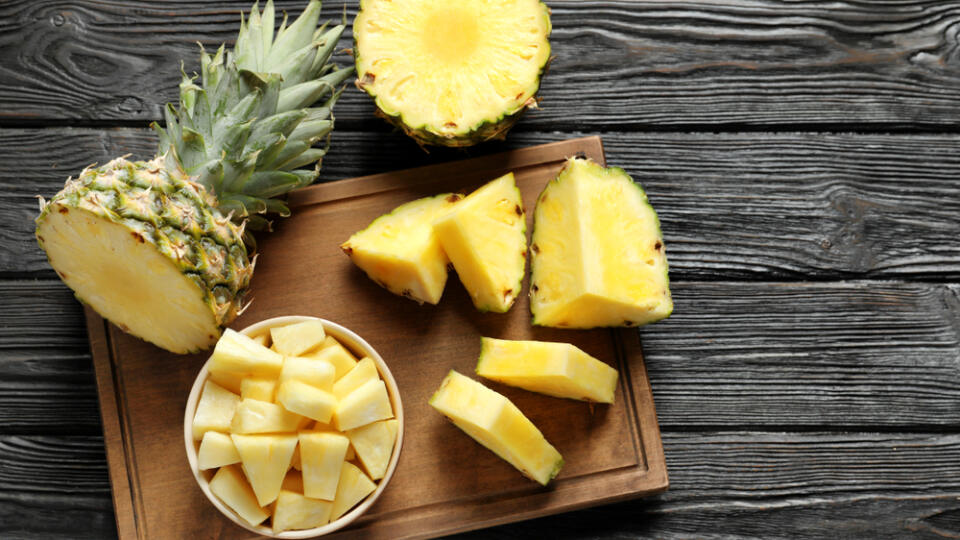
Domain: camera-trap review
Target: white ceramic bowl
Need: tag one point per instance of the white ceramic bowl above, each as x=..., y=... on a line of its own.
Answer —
x=360, y=348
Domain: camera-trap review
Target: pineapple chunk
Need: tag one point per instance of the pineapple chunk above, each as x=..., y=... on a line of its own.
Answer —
x=322, y=455
x=265, y=460
x=363, y=372
x=373, y=444
x=353, y=487
x=297, y=338
x=216, y=450
x=312, y=371
x=259, y=389
x=495, y=422
x=301, y=398
x=293, y=481
x=229, y=380
x=555, y=369
x=215, y=410
x=293, y=511
x=400, y=252
x=232, y=488
x=368, y=403
x=485, y=237
x=337, y=355
x=254, y=416
x=237, y=353
x=598, y=254
x=262, y=339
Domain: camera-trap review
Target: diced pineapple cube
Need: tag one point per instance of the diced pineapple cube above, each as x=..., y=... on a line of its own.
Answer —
x=495, y=422
x=373, y=444
x=215, y=410
x=353, y=487
x=255, y=416
x=229, y=380
x=293, y=511
x=363, y=372
x=259, y=389
x=293, y=481
x=232, y=488
x=301, y=398
x=237, y=353
x=318, y=373
x=216, y=450
x=297, y=338
x=322, y=455
x=265, y=460
x=555, y=369
x=337, y=355
x=368, y=403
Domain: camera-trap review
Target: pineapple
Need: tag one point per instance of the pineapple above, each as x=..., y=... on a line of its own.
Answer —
x=216, y=450
x=366, y=404
x=230, y=486
x=352, y=487
x=239, y=355
x=309, y=401
x=400, y=251
x=297, y=338
x=555, y=369
x=598, y=257
x=255, y=416
x=157, y=247
x=265, y=460
x=215, y=410
x=485, y=237
x=364, y=371
x=495, y=422
x=313, y=371
x=259, y=389
x=322, y=456
x=451, y=73
x=337, y=355
x=293, y=511
x=373, y=444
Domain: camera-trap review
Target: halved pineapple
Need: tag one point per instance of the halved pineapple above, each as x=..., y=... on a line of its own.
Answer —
x=598, y=257
x=400, y=251
x=451, y=73
x=495, y=422
x=485, y=237
x=555, y=369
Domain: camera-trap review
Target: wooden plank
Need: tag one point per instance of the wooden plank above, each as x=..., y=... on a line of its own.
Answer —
x=748, y=205
x=620, y=64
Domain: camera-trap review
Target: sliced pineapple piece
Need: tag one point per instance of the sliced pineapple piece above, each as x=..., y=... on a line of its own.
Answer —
x=495, y=422
x=337, y=355
x=265, y=460
x=239, y=354
x=555, y=369
x=313, y=371
x=259, y=389
x=216, y=450
x=373, y=444
x=230, y=486
x=363, y=372
x=353, y=486
x=485, y=237
x=293, y=511
x=262, y=339
x=254, y=416
x=215, y=410
x=598, y=255
x=297, y=338
x=368, y=403
x=400, y=252
x=228, y=380
x=303, y=399
x=322, y=455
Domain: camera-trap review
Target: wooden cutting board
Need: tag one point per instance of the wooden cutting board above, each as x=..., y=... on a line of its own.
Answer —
x=444, y=482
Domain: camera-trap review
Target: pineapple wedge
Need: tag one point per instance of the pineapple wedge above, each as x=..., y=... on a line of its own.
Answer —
x=293, y=511
x=373, y=444
x=259, y=389
x=238, y=354
x=313, y=371
x=322, y=456
x=265, y=460
x=555, y=369
x=254, y=416
x=495, y=422
x=597, y=252
x=337, y=355
x=297, y=338
x=230, y=486
x=215, y=410
x=216, y=450
x=400, y=251
x=368, y=403
x=352, y=487
x=301, y=398
x=485, y=237
x=363, y=372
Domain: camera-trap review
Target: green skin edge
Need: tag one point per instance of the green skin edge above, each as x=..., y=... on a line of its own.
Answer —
x=484, y=131
x=606, y=170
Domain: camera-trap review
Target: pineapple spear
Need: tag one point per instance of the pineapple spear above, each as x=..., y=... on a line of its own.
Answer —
x=157, y=247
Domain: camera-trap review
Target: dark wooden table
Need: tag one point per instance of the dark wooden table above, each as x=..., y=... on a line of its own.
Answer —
x=803, y=158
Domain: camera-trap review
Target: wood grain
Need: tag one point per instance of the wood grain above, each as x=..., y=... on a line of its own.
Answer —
x=620, y=64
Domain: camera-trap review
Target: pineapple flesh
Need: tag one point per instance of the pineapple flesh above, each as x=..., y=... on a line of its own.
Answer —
x=158, y=247
x=598, y=257
x=452, y=73
x=485, y=237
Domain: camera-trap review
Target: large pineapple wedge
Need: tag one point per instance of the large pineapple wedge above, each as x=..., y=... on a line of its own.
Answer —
x=157, y=247
x=451, y=73
x=598, y=257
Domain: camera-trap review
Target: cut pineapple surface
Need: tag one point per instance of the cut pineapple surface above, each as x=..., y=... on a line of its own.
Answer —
x=294, y=339
x=353, y=487
x=451, y=73
x=215, y=410
x=293, y=511
x=598, y=257
x=400, y=251
x=265, y=460
x=231, y=487
x=485, y=237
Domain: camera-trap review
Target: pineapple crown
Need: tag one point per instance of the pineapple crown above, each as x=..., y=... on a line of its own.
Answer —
x=247, y=129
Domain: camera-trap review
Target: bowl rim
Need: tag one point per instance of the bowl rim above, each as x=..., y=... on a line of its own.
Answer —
x=353, y=342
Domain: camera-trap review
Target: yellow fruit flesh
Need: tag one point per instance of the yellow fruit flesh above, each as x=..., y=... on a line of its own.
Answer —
x=230, y=486
x=238, y=354
x=353, y=487
x=293, y=511
x=322, y=456
x=493, y=421
x=215, y=410
x=373, y=444
x=337, y=355
x=301, y=398
x=255, y=416
x=259, y=389
x=312, y=371
x=265, y=460
x=297, y=338
x=556, y=369
x=364, y=371
x=216, y=450
x=368, y=403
